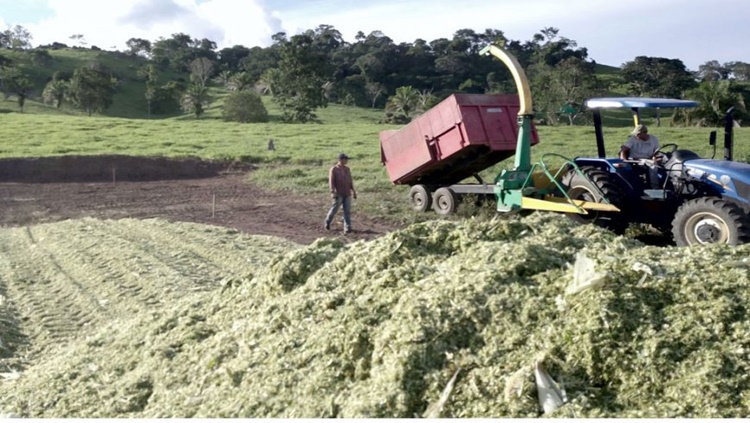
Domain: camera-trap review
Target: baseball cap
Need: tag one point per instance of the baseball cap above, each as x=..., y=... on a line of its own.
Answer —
x=343, y=156
x=640, y=129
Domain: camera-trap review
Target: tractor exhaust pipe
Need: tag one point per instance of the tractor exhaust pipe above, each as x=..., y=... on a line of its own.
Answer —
x=728, y=132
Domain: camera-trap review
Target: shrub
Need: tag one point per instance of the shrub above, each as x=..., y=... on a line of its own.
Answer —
x=244, y=106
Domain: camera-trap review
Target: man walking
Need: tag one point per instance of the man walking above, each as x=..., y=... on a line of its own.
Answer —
x=342, y=191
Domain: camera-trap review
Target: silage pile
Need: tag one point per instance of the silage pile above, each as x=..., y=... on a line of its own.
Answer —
x=461, y=311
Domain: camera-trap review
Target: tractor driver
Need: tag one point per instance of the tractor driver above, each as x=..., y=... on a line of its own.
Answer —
x=642, y=145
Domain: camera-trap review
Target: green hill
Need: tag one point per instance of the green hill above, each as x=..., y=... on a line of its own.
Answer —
x=129, y=100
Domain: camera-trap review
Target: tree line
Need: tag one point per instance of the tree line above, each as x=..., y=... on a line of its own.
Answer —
x=309, y=70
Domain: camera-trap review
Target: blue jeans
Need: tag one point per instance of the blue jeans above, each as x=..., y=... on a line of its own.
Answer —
x=338, y=202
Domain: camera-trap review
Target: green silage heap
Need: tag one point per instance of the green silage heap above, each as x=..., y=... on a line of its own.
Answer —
x=379, y=328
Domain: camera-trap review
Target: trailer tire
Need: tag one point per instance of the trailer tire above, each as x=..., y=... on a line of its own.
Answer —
x=420, y=198
x=710, y=220
x=444, y=201
x=580, y=188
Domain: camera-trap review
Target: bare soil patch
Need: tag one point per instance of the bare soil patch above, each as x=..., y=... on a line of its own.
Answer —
x=38, y=190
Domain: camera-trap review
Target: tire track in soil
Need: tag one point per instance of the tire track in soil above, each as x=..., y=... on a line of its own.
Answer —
x=12, y=338
x=52, y=307
x=183, y=270
x=209, y=244
x=102, y=264
x=63, y=280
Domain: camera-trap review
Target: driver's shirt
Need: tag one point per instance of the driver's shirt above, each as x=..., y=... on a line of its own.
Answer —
x=642, y=149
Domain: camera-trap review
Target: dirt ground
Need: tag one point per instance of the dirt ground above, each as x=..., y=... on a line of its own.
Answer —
x=112, y=187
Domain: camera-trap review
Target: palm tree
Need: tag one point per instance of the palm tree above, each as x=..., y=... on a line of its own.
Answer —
x=404, y=102
x=715, y=98
x=403, y=105
x=224, y=77
x=240, y=82
x=195, y=99
x=425, y=100
x=54, y=92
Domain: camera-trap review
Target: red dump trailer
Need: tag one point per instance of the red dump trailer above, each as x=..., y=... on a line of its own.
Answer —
x=455, y=140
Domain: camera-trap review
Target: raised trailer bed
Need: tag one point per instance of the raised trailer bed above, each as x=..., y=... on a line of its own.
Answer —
x=455, y=140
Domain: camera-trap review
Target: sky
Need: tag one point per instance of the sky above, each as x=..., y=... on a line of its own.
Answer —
x=614, y=32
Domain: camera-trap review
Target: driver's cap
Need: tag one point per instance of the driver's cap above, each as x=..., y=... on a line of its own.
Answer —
x=640, y=129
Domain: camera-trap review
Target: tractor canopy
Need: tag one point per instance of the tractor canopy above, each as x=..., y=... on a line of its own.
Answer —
x=632, y=103
x=637, y=103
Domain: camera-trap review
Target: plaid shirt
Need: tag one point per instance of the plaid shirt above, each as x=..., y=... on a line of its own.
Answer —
x=340, y=180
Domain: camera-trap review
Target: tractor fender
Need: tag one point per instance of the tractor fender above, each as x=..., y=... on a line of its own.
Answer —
x=622, y=176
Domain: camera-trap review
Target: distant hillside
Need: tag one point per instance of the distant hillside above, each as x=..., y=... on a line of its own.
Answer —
x=129, y=100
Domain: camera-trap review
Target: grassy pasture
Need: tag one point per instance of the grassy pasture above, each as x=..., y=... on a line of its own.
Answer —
x=303, y=152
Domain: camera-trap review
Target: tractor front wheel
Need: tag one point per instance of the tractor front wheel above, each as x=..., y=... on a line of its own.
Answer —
x=444, y=201
x=710, y=220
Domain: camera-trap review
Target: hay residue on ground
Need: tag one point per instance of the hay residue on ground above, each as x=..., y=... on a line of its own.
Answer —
x=380, y=329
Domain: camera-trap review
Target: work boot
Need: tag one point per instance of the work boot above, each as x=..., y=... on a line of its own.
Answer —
x=348, y=230
x=328, y=226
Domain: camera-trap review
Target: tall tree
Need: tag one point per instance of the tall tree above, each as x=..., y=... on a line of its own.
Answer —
x=139, y=47
x=230, y=57
x=657, y=76
x=713, y=71
x=201, y=70
x=16, y=81
x=561, y=77
x=714, y=98
x=739, y=70
x=92, y=88
x=259, y=60
x=297, y=84
x=560, y=90
x=177, y=52
x=55, y=92
x=17, y=37
x=150, y=74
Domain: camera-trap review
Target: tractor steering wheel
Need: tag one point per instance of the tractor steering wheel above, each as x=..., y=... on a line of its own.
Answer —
x=667, y=153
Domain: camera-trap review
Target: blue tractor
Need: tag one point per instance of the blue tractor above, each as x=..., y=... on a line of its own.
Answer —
x=696, y=200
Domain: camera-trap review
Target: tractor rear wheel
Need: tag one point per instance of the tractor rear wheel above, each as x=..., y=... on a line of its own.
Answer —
x=585, y=188
x=444, y=201
x=420, y=198
x=710, y=220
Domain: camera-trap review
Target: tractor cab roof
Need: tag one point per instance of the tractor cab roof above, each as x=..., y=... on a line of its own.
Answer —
x=637, y=103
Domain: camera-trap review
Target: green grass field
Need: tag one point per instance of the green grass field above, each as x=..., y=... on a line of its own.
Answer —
x=304, y=152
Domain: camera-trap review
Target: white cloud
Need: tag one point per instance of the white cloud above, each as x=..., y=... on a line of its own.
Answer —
x=613, y=32
x=244, y=22
x=111, y=23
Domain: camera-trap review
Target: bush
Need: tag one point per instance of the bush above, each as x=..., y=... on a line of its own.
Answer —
x=244, y=106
